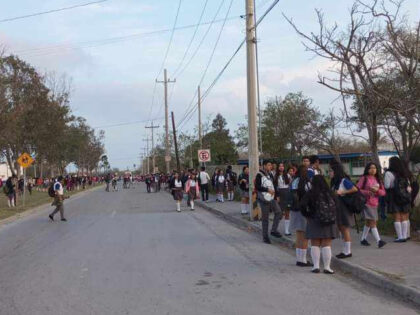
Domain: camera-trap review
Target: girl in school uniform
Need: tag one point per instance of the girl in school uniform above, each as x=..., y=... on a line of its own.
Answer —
x=342, y=185
x=282, y=182
x=319, y=207
x=371, y=186
x=220, y=186
x=176, y=186
x=192, y=189
x=244, y=186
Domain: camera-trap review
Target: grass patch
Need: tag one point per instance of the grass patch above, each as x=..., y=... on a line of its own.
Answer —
x=37, y=198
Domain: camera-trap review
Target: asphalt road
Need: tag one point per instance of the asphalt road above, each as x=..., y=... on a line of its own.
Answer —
x=128, y=252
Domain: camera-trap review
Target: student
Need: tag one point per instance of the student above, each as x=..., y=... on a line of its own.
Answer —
x=306, y=161
x=282, y=182
x=319, y=207
x=398, y=197
x=204, y=179
x=342, y=185
x=58, y=199
x=314, y=168
x=231, y=181
x=10, y=189
x=264, y=184
x=299, y=187
x=220, y=186
x=371, y=186
x=176, y=187
x=192, y=189
x=244, y=186
x=114, y=183
x=213, y=178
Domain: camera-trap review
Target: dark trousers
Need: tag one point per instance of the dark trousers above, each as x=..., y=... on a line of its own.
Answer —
x=205, y=192
x=59, y=208
x=265, y=210
x=148, y=187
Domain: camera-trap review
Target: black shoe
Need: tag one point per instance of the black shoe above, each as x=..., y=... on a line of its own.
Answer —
x=192, y=209
x=364, y=243
x=381, y=243
x=408, y=238
x=288, y=234
x=343, y=256
x=301, y=264
x=267, y=240
x=276, y=234
x=315, y=270
x=64, y=219
x=329, y=272
x=51, y=217
x=400, y=241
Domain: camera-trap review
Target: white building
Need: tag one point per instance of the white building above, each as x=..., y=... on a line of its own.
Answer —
x=5, y=171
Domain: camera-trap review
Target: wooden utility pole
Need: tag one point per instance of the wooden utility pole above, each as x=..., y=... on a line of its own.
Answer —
x=152, y=127
x=147, y=154
x=200, y=132
x=253, y=154
x=167, y=154
x=178, y=165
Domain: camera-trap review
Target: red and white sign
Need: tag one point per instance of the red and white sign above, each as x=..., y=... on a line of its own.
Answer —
x=204, y=156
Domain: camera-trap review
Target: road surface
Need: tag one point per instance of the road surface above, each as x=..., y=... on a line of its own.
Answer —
x=129, y=252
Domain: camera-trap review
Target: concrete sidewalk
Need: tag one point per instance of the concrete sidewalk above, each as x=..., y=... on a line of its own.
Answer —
x=394, y=268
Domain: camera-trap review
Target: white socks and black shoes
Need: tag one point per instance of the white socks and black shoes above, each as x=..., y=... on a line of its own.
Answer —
x=192, y=205
x=398, y=226
x=316, y=255
x=178, y=207
x=326, y=259
x=287, y=227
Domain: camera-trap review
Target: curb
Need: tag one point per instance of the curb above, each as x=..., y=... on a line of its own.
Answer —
x=361, y=273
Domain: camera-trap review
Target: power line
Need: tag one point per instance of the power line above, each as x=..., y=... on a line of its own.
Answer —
x=50, y=11
x=126, y=123
x=207, y=92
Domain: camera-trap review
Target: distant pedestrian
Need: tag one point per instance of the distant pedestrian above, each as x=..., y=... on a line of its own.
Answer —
x=148, y=183
x=398, y=197
x=371, y=186
x=319, y=207
x=231, y=182
x=192, y=189
x=58, y=199
x=10, y=191
x=282, y=183
x=220, y=186
x=243, y=181
x=176, y=186
x=204, y=179
x=266, y=199
x=108, y=179
x=115, y=183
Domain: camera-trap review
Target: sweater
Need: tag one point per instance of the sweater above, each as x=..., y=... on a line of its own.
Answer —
x=365, y=184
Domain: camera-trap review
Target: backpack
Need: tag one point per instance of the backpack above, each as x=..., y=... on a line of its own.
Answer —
x=402, y=196
x=355, y=202
x=326, y=210
x=51, y=191
x=234, y=178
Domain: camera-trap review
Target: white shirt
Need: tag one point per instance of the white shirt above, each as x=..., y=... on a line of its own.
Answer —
x=389, y=180
x=281, y=184
x=204, y=178
x=192, y=183
x=59, y=188
x=221, y=179
x=178, y=183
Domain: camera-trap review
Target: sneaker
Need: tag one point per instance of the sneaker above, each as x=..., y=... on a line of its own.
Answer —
x=343, y=256
x=328, y=272
x=381, y=243
x=51, y=217
x=315, y=270
x=276, y=234
x=267, y=240
x=364, y=243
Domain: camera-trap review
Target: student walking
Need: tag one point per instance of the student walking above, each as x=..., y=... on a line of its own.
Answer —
x=319, y=206
x=342, y=186
x=371, y=186
x=58, y=199
x=264, y=184
x=204, y=180
x=192, y=189
x=220, y=186
x=176, y=187
x=398, y=197
x=282, y=182
x=244, y=186
x=300, y=186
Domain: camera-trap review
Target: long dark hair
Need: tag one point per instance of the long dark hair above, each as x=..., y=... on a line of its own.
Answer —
x=397, y=167
x=339, y=174
x=319, y=187
x=377, y=175
x=284, y=175
x=302, y=174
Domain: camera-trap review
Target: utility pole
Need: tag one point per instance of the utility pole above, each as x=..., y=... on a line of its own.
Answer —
x=165, y=84
x=200, y=132
x=252, y=98
x=153, y=145
x=147, y=154
x=178, y=165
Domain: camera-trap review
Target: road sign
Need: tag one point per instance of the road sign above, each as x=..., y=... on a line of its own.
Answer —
x=25, y=160
x=204, y=156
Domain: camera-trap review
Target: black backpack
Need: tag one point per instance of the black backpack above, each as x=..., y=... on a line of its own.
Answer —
x=326, y=210
x=401, y=195
x=51, y=191
x=355, y=202
x=234, y=178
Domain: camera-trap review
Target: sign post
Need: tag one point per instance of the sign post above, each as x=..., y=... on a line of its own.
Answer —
x=204, y=156
x=25, y=160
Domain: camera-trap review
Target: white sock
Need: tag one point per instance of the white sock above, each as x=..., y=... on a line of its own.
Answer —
x=404, y=229
x=178, y=206
x=408, y=228
x=221, y=198
x=287, y=226
x=347, y=248
x=8, y=203
x=243, y=208
x=375, y=234
x=192, y=204
x=13, y=203
x=326, y=257
x=304, y=251
x=365, y=232
x=298, y=255
x=315, y=254
x=398, y=229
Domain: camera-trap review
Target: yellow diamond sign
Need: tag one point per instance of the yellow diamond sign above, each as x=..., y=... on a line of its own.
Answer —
x=25, y=160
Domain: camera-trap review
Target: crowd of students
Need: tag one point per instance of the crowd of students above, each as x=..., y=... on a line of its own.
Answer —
x=317, y=208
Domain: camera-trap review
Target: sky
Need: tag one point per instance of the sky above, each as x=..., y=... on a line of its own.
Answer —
x=113, y=63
